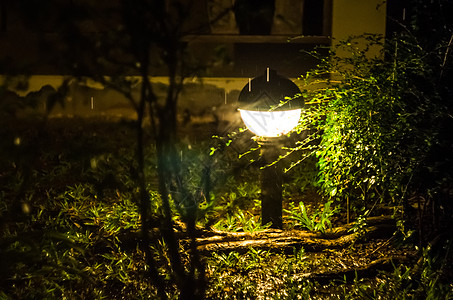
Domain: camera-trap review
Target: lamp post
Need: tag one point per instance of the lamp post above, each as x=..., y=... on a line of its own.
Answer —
x=266, y=111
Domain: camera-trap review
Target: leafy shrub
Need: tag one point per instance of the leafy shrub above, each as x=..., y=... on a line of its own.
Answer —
x=377, y=121
x=318, y=220
x=240, y=222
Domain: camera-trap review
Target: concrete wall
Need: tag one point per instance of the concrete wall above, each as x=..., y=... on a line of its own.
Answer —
x=356, y=17
x=209, y=100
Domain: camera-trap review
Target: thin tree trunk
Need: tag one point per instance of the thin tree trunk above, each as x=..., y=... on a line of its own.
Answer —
x=169, y=165
x=144, y=195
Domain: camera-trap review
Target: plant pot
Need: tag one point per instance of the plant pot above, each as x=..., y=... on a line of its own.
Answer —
x=221, y=17
x=288, y=17
x=254, y=17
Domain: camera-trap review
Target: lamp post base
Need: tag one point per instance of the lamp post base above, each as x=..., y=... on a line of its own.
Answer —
x=271, y=183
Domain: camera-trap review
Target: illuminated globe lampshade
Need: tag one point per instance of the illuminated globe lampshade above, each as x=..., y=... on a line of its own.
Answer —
x=270, y=123
x=260, y=109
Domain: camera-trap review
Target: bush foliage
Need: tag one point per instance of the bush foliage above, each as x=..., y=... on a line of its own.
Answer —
x=381, y=121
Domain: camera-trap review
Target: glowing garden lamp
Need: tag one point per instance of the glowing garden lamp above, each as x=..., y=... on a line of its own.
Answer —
x=267, y=111
x=261, y=108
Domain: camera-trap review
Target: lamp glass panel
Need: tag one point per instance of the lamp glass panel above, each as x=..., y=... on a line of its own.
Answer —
x=270, y=123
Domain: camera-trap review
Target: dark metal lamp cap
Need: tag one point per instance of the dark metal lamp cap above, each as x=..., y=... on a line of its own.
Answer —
x=266, y=92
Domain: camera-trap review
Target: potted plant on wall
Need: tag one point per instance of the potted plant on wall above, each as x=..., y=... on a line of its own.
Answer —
x=288, y=17
x=221, y=17
x=254, y=17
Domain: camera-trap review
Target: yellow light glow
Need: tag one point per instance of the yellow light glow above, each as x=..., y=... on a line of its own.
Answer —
x=270, y=123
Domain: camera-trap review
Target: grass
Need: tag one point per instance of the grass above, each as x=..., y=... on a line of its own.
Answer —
x=69, y=226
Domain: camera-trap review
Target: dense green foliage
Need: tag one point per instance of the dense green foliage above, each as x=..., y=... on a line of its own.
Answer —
x=319, y=220
x=70, y=217
x=380, y=118
x=71, y=226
